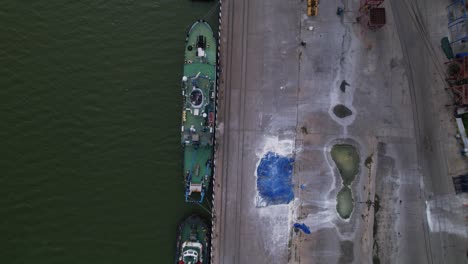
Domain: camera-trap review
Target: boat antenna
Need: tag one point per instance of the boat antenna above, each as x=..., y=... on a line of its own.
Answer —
x=199, y=204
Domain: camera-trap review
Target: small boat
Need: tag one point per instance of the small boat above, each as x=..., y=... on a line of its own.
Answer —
x=192, y=241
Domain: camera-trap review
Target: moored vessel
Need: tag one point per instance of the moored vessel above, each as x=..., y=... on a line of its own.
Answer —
x=198, y=113
x=192, y=241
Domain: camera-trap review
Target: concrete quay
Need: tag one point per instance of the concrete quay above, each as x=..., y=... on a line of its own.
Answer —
x=278, y=95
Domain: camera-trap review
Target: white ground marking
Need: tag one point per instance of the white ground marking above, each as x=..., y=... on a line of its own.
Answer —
x=446, y=214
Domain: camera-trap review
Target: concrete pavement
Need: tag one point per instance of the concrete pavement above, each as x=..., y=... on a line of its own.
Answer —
x=271, y=88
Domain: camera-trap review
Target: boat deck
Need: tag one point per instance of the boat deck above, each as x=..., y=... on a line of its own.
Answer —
x=198, y=113
x=192, y=117
x=199, y=161
x=200, y=29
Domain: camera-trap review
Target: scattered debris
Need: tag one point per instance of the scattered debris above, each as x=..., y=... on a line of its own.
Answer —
x=368, y=162
x=340, y=11
x=376, y=204
x=302, y=227
x=343, y=86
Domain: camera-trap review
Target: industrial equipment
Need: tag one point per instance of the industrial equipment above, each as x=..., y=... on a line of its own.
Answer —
x=312, y=7
x=460, y=183
x=457, y=72
x=371, y=14
x=458, y=21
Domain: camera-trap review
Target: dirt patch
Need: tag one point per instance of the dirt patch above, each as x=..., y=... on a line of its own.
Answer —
x=385, y=214
x=375, y=246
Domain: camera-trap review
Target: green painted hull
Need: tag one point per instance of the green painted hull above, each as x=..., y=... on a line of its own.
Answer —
x=192, y=240
x=198, y=113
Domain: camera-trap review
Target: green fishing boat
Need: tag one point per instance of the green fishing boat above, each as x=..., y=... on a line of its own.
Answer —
x=198, y=113
x=192, y=241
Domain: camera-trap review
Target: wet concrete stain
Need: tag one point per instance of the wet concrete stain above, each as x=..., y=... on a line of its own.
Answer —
x=385, y=215
x=343, y=86
x=342, y=111
x=393, y=63
x=347, y=252
x=345, y=44
x=346, y=159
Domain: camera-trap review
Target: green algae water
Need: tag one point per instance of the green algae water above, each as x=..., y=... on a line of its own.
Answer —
x=90, y=156
x=347, y=160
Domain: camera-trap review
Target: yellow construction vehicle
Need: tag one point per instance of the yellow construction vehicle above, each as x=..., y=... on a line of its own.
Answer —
x=312, y=7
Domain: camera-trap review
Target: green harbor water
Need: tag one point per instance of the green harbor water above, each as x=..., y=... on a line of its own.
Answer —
x=90, y=163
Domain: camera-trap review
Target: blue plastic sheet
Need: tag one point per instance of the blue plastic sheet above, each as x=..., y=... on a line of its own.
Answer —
x=274, y=179
x=302, y=227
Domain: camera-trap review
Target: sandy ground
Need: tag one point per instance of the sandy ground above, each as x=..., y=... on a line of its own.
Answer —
x=277, y=95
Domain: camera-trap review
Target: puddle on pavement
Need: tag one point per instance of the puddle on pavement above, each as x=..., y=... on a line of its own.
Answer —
x=342, y=111
x=347, y=251
x=346, y=159
x=344, y=202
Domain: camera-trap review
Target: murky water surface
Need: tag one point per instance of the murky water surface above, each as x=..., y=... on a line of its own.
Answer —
x=90, y=113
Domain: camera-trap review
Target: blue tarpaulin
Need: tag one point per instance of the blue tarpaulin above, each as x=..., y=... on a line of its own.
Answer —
x=302, y=227
x=274, y=179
